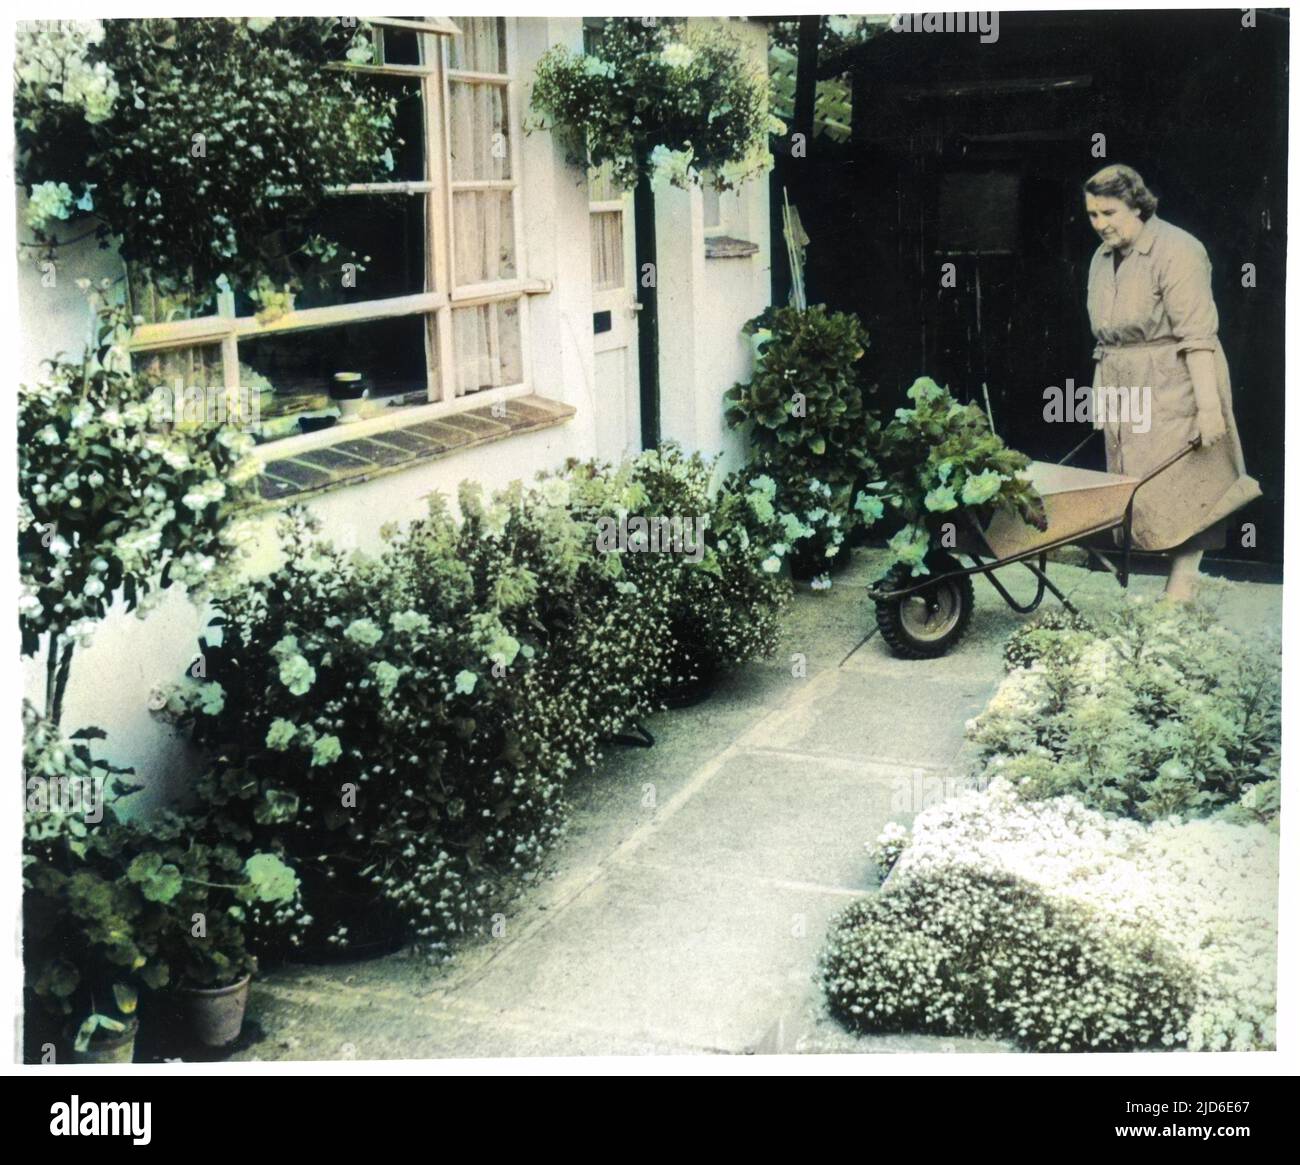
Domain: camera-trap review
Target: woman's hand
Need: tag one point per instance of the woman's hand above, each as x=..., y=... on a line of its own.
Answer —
x=1211, y=426
x=1209, y=407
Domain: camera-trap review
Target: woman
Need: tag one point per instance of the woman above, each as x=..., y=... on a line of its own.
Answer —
x=1156, y=326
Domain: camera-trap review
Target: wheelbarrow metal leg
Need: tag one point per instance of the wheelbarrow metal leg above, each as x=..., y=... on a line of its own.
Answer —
x=1039, y=572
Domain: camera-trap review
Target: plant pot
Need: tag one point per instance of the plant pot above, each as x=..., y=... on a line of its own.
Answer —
x=347, y=386
x=117, y=1049
x=215, y=1014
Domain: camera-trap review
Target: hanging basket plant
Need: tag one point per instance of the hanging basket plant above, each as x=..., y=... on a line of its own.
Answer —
x=657, y=99
x=200, y=148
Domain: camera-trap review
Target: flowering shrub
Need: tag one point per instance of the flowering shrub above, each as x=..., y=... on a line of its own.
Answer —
x=401, y=727
x=657, y=99
x=963, y=950
x=107, y=116
x=721, y=611
x=805, y=417
x=112, y=498
x=1158, y=708
x=1207, y=890
x=939, y=457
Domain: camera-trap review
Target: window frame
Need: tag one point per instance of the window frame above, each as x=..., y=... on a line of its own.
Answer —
x=436, y=78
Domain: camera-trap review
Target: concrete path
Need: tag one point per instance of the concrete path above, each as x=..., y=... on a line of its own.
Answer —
x=685, y=911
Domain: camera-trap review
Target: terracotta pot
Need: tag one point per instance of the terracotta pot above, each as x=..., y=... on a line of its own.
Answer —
x=119, y=1049
x=215, y=1014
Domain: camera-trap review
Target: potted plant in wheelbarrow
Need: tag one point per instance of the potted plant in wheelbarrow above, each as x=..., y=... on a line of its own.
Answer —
x=946, y=473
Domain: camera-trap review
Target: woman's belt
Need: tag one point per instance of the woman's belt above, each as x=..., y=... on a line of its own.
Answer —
x=1102, y=349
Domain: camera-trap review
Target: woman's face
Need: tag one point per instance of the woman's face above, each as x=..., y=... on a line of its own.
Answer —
x=1114, y=220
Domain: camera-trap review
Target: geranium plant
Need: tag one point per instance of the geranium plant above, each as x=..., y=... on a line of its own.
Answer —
x=658, y=99
x=941, y=457
x=202, y=147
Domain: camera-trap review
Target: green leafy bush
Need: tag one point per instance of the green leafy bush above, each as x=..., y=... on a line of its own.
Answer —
x=400, y=728
x=940, y=457
x=113, y=905
x=107, y=115
x=658, y=99
x=959, y=950
x=1156, y=708
x=804, y=414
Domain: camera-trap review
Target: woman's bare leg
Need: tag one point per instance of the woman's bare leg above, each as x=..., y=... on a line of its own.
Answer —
x=1184, y=571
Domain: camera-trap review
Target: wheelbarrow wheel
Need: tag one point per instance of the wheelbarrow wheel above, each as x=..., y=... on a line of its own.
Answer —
x=926, y=623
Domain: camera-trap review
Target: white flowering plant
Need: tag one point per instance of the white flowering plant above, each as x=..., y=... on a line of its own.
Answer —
x=114, y=499
x=655, y=99
x=940, y=458
x=204, y=147
x=1142, y=709
x=961, y=949
x=1204, y=892
x=401, y=727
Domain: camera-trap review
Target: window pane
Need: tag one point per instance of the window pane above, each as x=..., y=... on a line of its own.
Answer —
x=481, y=47
x=193, y=367
x=601, y=187
x=480, y=133
x=408, y=125
x=487, y=346
x=485, y=236
x=401, y=46
x=299, y=367
x=385, y=232
x=607, y=250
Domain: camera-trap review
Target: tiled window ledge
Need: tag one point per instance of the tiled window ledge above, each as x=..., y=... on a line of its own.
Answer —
x=363, y=458
x=725, y=247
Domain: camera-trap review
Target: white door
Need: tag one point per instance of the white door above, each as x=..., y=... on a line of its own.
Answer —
x=614, y=320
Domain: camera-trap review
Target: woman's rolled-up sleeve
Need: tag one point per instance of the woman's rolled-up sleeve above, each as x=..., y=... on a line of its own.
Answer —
x=1189, y=303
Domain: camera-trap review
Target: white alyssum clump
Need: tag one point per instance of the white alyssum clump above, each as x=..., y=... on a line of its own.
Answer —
x=1209, y=889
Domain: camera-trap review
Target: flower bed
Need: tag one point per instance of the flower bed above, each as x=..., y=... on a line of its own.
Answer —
x=1111, y=881
x=1146, y=709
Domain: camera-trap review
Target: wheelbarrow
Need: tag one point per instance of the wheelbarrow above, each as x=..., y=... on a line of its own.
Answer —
x=922, y=617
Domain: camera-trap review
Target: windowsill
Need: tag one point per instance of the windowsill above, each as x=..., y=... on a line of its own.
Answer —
x=725, y=247
x=351, y=457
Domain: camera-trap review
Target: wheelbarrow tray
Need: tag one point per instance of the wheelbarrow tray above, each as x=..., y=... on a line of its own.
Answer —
x=1078, y=502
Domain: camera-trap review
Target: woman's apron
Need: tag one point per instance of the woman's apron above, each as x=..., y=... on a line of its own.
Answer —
x=1158, y=418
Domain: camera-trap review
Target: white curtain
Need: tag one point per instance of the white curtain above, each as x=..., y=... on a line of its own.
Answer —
x=481, y=45
x=487, y=344
x=607, y=250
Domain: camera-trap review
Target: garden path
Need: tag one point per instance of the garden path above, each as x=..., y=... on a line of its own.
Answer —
x=685, y=910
